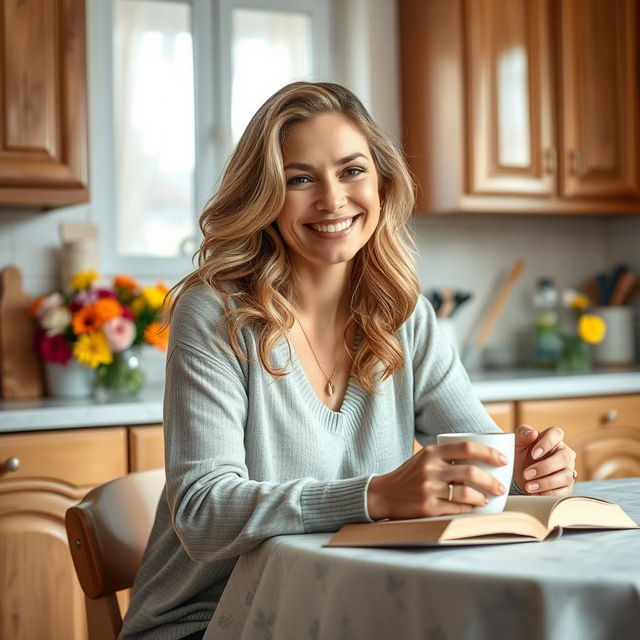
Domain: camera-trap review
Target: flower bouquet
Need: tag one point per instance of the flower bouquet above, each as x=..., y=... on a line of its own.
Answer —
x=582, y=330
x=99, y=327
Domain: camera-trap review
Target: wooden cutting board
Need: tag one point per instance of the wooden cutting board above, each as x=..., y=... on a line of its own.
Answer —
x=20, y=368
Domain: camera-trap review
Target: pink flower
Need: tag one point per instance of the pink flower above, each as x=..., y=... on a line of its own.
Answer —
x=119, y=333
x=52, y=301
x=55, y=349
x=84, y=298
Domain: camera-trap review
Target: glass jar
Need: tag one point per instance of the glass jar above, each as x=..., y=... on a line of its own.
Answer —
x=123, y=377
x=575, y=355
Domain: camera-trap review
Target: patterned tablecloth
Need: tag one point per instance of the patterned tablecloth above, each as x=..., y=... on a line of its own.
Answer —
x=582, y=586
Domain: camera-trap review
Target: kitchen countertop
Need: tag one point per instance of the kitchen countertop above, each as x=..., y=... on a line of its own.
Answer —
x=491, y=386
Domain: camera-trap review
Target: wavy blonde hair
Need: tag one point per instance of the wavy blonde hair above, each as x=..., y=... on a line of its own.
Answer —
x=244, y=258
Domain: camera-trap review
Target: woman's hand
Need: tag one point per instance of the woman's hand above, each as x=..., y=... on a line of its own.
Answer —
x=544, y=463
x=420, y=487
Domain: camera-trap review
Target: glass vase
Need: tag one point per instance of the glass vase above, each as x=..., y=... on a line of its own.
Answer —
x=124, y=377
x=575, y=356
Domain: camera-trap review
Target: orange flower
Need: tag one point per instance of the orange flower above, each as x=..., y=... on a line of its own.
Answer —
x=124, y=282
x=85, y=320
x=35, y=306
x=157, y=334
x=106, y=308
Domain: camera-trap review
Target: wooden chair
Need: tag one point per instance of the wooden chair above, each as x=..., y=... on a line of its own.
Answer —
x=610, y=452
x=107, y=533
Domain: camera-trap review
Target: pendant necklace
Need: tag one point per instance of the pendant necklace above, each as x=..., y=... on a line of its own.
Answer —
x=329, y=387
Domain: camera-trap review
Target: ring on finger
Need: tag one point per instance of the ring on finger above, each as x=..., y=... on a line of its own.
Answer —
x=450, y=498
x=574, y=473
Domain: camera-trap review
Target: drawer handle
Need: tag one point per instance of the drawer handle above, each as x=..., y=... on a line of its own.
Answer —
x=611, y=416
x=12, y=464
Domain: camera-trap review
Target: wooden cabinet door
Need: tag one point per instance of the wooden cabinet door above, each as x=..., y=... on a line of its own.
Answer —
x=604, y=431
x=600, y=105
x=509, y=98
x=43, y=104
x=503, y=414
x=146, y=447
x=39, y=593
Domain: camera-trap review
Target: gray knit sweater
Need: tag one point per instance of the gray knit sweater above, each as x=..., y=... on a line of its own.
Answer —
x=249, y=456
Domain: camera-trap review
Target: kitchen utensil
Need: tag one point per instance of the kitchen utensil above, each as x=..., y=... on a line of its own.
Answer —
x=591, y=291
x=603, y=286
x=448, y=303
x=460, y=298
x=623, y=288
x=472, y=352
x=20, y=370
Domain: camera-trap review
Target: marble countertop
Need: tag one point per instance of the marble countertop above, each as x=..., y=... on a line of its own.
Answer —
x=491, y=386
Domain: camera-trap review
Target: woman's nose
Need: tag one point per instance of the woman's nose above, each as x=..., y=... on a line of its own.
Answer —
x=332, y=196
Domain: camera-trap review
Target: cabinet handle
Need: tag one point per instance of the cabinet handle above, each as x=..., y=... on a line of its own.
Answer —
x=611, y=416
x=575, y=161
x=550, y=161
x=12, y=464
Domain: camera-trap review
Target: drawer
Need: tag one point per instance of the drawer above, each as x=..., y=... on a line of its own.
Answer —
x=79, y=457
x=581, y=415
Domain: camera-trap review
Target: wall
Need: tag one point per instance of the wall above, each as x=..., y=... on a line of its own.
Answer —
x=471, y=253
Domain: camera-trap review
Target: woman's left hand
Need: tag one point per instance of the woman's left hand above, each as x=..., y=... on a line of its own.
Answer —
x=544, y=463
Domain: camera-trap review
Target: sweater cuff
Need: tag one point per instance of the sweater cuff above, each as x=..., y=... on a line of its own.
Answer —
x=326, y=506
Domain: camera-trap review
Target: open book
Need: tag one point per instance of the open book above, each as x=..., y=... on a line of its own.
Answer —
x=525, y=519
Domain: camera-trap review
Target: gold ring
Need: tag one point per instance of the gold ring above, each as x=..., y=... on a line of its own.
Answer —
x=574, y=473
x=450, y=498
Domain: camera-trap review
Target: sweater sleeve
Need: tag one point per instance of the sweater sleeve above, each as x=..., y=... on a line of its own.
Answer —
x=218, y=512
x=444, y=399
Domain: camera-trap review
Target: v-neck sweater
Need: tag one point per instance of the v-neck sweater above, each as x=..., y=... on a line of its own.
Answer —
x=249, y=456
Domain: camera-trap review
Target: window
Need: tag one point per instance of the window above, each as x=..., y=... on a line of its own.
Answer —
x=172, y=85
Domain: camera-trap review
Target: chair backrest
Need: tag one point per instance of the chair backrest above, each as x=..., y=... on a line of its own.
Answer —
x=108, y=533
x=610, y=452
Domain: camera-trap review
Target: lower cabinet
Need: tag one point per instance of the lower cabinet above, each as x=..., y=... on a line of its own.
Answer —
x=604, y=431
x=503, y=414
x=41, y=475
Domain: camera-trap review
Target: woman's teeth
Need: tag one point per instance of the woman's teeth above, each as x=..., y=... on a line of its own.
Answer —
x=332, y=228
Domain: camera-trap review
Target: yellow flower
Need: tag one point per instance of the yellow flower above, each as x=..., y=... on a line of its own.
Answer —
x=580, y=302
x=591, y=328
x=92, y=349
x=84, y=279
x=154, y=297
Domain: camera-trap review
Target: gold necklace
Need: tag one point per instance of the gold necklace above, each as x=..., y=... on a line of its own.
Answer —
x=330, y=387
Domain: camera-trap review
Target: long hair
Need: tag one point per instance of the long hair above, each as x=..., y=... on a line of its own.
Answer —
x=244, y=258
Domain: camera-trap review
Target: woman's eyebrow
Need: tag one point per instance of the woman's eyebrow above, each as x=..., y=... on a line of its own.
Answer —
x=301, y=166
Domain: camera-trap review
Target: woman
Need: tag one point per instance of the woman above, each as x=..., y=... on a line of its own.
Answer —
x=303, y=362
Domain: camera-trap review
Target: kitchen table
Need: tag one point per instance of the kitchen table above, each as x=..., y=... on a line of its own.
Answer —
x=582, y=586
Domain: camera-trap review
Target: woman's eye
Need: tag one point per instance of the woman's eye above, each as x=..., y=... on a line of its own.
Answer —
x=352, y=172
x=298, y=180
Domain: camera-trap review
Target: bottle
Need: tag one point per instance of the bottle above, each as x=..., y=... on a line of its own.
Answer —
x=548, y=341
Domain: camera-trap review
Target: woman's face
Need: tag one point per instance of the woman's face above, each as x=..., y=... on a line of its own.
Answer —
x=332, y=201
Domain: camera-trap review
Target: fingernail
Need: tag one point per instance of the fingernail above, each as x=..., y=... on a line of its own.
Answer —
x=503, y=458
x=530, y=473
x=502, y=489
x=537, y=453
x=533, y=486
x=526, y=433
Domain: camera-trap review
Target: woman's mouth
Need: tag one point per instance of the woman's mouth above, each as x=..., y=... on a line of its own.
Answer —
x=333, y=228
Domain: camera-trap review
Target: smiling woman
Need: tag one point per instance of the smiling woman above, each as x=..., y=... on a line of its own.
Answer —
x=303, y=363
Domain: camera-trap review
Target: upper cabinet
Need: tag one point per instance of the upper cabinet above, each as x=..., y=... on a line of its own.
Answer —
x=43, y=103
x=522, y=105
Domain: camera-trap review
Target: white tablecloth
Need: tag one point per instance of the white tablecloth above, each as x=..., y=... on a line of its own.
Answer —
x=582, y=586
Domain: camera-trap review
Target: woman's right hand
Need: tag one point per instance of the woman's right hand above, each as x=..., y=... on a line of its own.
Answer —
x=420, y=487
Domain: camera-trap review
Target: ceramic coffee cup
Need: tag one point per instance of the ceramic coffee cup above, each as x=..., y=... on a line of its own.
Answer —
x=505, y=444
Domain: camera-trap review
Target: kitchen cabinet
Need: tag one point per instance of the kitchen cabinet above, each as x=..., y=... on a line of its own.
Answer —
x=604, y=431
x=43, y=104
x=41, y=476
x=522, y=105
x=503, y=414
x=146, y=447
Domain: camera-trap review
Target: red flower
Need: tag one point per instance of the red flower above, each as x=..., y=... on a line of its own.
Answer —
x=55, y=349
x=105, y=293
x=127, y=313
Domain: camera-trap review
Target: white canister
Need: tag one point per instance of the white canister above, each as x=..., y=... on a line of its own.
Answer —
x=618, y=347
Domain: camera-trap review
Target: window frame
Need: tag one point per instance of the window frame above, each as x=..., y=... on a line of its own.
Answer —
x=211, y=29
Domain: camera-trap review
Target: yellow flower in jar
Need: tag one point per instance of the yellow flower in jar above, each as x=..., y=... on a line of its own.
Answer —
x=92, y=349
x=591, y=328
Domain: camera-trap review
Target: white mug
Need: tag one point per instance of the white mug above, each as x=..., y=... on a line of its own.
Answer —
x=505, y=444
